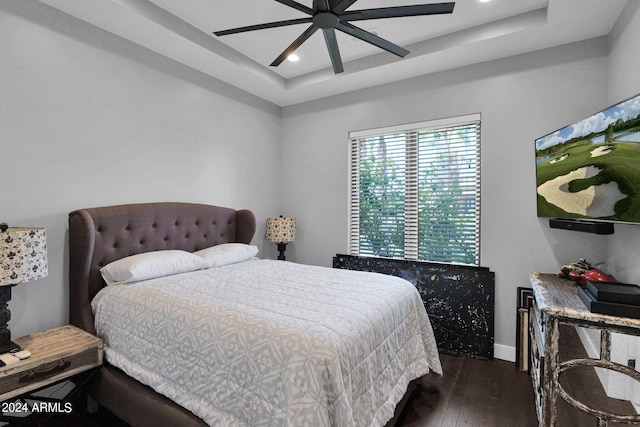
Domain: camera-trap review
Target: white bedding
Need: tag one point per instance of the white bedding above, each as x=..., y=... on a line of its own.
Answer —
x=271, y=343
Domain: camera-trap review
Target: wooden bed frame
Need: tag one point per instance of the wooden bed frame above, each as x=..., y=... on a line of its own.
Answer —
x=98, y=236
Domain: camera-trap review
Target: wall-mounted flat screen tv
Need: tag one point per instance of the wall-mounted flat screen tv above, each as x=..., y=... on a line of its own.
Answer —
x=590, y=170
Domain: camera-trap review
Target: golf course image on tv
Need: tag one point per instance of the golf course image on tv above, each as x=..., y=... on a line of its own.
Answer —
x=591, y=170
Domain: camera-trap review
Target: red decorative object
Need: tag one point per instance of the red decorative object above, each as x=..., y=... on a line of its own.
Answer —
x=595, y=275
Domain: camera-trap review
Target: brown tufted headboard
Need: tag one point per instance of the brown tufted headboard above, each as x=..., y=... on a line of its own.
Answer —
x=98, y=236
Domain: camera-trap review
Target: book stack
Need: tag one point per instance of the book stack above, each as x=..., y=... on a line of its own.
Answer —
x=616, y=299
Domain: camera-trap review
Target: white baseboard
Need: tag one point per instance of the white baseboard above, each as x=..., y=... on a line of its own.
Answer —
x=504, y=352
x=590, y=345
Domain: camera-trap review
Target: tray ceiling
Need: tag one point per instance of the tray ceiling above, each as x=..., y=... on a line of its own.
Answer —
x=475, y=32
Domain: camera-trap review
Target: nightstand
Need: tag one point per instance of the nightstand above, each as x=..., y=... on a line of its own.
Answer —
x=56, y=354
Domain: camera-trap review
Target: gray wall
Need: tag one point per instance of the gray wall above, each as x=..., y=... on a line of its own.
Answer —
x=88, y=119
x=624, y=63
x=520, y=98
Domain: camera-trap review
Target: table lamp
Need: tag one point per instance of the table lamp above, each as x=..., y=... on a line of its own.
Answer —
x=23, y=258
x=281, y=231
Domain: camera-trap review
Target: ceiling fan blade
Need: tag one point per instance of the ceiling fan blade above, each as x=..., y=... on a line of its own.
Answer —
x=372, y=38
x=398, y=11
x=340, y=6
x=263, y=26
x=322, y=5
x=295, y=45
x=334, y=51
x=297, y=6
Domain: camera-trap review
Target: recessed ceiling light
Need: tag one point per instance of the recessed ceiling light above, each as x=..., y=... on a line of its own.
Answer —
x=293, y=57
x=484, y=1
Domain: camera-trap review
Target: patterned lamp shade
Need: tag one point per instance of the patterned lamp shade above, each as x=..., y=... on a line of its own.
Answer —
x=23, y=255
x=281, y=230
x=23, y=258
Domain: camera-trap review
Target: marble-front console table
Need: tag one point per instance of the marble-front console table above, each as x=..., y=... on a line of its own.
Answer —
x=460, y=300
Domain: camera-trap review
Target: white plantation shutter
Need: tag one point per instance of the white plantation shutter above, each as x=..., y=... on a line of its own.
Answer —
x=415, y=191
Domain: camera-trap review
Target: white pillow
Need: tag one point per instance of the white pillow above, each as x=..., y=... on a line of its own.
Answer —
x=227, y=253
x=150, y=265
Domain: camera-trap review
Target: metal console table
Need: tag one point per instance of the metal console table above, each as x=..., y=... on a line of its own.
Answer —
x=557, y=302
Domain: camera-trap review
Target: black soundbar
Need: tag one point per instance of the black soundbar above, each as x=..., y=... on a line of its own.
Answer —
x=595, y=227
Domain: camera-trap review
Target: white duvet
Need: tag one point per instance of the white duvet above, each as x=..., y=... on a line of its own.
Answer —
x=271, y=343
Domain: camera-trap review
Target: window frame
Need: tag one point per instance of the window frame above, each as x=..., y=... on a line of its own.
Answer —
x=411, y=231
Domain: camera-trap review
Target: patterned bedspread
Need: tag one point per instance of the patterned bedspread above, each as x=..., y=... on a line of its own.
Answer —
x=271, y=343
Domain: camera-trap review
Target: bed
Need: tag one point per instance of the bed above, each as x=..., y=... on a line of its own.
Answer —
x=257, y=342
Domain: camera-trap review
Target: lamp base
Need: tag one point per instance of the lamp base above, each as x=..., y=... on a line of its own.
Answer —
x=281, y=248
x=6, y=345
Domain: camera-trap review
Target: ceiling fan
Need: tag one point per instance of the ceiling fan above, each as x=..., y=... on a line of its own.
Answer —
x=331, y=15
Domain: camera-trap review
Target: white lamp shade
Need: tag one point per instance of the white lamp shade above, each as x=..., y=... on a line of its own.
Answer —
x=281, y=230
x=23, y=255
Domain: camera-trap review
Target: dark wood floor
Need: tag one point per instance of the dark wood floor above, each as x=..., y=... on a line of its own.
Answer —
x=472, y=392
x=475, y=392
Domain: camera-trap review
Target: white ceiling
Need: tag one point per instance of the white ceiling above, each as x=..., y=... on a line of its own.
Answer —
x=476, y=32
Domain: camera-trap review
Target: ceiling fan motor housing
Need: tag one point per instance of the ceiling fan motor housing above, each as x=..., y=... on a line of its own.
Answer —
x=325, y=20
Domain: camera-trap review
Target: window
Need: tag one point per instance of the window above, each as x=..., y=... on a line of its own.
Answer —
x=415, y=191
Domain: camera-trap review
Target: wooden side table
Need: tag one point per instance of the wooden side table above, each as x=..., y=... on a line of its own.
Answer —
x=556, y=301
x=56, y=354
